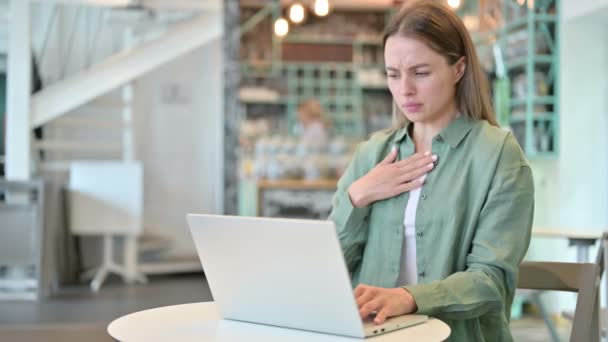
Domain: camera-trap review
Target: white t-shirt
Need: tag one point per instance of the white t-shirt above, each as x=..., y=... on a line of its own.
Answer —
x=408, y=274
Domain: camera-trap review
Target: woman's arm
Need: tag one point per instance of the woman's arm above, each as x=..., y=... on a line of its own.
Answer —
x=499, y=244
x=350, y=220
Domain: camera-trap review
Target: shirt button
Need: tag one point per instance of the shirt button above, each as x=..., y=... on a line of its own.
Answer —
x=419, y=233
x=423, y=197
x=421, y=274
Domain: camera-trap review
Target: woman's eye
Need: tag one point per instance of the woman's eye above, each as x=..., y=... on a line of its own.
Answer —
x=422, y=73
x=392, y=75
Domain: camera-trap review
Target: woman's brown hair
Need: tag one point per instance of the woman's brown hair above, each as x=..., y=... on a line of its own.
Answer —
x=442, y=30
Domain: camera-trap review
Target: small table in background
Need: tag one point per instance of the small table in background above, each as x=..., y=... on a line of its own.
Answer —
x=582, y=240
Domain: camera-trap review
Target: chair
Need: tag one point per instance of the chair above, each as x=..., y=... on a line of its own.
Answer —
x=106, y=199
x=583, y=278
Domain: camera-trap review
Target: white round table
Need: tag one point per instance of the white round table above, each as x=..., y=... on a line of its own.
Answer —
x=201, y=322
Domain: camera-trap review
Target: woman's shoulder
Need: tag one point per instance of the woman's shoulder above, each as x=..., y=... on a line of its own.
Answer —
x=492, y=140
x=380, y=140
x=377, y=145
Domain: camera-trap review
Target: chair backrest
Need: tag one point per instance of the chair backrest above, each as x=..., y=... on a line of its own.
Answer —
x=583, y=278
x=105, y=198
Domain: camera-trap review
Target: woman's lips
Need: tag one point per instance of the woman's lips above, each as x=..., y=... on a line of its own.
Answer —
x=412, y=107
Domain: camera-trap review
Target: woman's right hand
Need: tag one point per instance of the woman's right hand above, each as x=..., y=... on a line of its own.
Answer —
x=389, y=178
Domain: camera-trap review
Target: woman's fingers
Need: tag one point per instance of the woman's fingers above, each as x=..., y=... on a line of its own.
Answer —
x=381, y=301
x=390, y=157
x=408, y=165
x=369, y=307
x=413, y=175
x=390, y=178
x=382, y=315
x=359, y=291
x=409, y=186
x=413, y=158
x=364, y=298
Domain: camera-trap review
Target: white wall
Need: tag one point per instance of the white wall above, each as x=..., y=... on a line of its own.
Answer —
x=180, y=143
x=572, y=192
x=3, y=32
x=179, y=140
x=573, y=9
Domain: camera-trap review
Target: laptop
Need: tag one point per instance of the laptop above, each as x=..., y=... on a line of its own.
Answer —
x=282, y=272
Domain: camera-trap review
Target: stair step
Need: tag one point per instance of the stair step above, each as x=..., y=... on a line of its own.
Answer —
x=98, y=111
x=82, y=122
x=153, y=244
x=171, y=265
x=50, y=145
x=63, y=165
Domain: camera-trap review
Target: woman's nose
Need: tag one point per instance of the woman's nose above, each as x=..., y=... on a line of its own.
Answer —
x=408, y=86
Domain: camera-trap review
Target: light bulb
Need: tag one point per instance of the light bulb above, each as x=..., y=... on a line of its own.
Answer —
x=281, y=27
x=455, y=4
x=471, y=22
x=296, y=13
x=321, y=7
x=531, y=4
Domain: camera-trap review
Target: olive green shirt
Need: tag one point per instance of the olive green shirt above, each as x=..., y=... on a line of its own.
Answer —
x=473, y=225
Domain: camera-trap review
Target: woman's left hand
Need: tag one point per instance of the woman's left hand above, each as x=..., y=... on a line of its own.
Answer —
x=385, y=302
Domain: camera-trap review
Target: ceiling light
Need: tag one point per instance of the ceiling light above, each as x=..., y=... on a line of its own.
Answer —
x=471, y=22
x=531, y=4
x=455, y=4
x=321, y=7
x=281, y=27
x=297, y=13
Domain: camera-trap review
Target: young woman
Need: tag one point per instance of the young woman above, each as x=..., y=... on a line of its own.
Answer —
x=434, y=216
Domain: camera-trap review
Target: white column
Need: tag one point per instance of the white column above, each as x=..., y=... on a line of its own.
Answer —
x=128, y=141
x=18, y=132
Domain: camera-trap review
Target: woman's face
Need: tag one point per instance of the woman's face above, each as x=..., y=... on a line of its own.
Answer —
x=421, y=80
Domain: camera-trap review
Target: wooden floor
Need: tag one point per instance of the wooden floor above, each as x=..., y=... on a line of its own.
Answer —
x=76, y=314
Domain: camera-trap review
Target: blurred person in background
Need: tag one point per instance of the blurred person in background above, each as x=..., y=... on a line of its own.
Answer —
x=315, y=128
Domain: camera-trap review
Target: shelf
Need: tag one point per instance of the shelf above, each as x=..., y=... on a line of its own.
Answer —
x=323, y=39
x=318, y=40
x=366, y=66
x=369, y=40
x=373, y=87
x=521, y=22
x=263, y=102
x=257, y=69
x=546, y=116
x=297, y=184
x=315, y=65
x=542, y=155
x=521, y=62
x=535, y=100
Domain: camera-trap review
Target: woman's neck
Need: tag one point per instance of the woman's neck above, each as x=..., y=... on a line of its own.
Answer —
x=424, y=132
